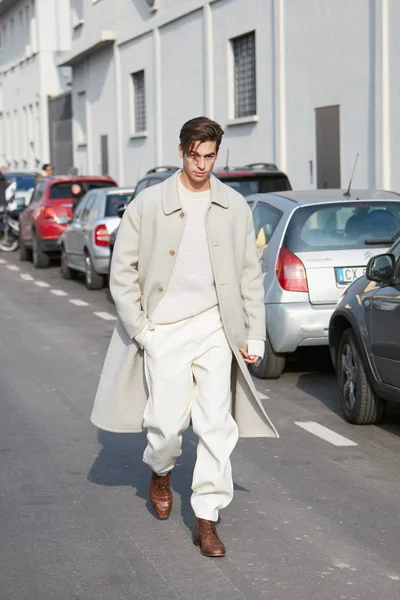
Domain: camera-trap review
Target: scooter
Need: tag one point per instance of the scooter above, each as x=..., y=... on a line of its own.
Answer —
x=9, y=227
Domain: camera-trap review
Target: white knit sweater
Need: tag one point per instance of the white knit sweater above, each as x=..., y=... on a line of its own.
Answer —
x=191, y=289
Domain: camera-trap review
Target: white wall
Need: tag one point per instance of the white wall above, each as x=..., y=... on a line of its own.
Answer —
x=28, y=76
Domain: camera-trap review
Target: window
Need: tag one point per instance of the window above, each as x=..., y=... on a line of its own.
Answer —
x=114, y=200
x=343, y=225
x=80, y=118
x=244, y=61
x=266, y=219
x=140, y=186
x=139, y=102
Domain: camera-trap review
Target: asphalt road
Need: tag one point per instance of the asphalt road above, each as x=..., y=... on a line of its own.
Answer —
x=310, y=519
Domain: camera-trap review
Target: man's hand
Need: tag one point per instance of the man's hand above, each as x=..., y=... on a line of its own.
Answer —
x=251, y=360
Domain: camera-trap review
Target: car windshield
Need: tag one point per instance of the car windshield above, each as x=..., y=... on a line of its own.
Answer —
x=113, y=200
x=62, y=190
x=258, y=185
x=343, y=225
x=24, y=181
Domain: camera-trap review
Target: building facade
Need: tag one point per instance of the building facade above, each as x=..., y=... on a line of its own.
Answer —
x=33, y=35
x=307, y=84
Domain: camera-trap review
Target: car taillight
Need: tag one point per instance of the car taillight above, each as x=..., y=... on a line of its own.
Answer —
x=49, y=213
x=290, y=272
x=101, y=236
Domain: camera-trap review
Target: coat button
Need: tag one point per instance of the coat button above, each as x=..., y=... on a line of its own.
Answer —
x=182, y=215
x=161, y=289
x=172, y=252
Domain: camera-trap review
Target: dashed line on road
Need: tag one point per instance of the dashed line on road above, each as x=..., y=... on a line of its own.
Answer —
x=26, y=276
x=13, y=268
x=106, y=316
x=59, y=292
x=324, y=433
x=78, y=302
x=42, y=284
x=262, y=396
x=2, y=261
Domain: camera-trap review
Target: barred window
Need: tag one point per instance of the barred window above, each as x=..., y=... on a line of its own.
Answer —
x=244, y=56
x=139, y=102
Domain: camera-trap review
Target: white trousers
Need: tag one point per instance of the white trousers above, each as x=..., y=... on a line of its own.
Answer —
x=188, y=372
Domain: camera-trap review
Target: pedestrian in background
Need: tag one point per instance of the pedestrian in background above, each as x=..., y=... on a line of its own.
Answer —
x=188, y=289
x=47, y=170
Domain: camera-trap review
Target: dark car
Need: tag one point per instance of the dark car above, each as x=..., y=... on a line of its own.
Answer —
x=256, y=178
x=364, y=338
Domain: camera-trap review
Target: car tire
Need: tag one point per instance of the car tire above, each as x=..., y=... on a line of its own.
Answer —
x=93, y=280
x=66, y=271
x=40, y=259
x=271, y=366
x=360, y=404
x=24, y=252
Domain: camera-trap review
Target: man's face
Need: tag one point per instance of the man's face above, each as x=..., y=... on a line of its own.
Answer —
x=199, y=162
x=49, y=170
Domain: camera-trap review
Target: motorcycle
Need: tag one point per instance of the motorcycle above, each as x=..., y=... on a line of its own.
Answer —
x=9, y=227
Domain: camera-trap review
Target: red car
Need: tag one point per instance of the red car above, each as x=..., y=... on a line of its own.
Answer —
x=47, y=215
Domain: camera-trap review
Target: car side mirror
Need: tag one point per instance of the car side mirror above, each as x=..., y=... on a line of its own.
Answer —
x=381, y=268
x=120, y=209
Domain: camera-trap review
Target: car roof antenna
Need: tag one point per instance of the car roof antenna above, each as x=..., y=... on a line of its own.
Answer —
x=227, y=161
x=347, y=192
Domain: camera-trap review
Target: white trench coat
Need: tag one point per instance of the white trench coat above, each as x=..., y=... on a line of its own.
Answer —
x=143, y=259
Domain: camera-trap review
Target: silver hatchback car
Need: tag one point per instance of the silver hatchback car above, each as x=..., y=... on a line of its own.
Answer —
x=85, y=244
x=312, y=245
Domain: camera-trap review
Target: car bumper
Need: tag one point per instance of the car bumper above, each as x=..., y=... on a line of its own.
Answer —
x=51, y=246
x=101, y=264
x=296, y=324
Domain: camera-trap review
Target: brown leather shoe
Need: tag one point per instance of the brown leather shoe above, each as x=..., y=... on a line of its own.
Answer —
x=161, y=495
x=206, y=536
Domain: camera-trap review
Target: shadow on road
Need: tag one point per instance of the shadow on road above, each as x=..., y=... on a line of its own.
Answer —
x=119, y=463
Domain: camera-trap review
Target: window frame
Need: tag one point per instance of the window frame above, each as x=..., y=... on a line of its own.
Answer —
x=237, y=92
x=138, y=128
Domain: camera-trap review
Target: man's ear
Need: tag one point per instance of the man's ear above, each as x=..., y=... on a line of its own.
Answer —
x=180, y=150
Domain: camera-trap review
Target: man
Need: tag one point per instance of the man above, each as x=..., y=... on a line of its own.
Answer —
x=188, y=289
x=47, y=170
x=73, y=172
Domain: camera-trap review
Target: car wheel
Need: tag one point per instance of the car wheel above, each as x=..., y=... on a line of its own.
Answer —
x=40, y=259
x=24, y=252
x=271, y=366
x=94, y=281
x=66, y=271
x=359, y=402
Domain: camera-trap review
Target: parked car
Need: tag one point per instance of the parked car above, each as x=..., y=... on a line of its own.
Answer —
x=251, y=179
x=256, y=178
x=47, y=215
x=312, y=245
x=365, y=343
x=85, y=242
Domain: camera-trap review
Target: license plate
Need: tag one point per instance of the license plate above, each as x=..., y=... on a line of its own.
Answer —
x=345, y=275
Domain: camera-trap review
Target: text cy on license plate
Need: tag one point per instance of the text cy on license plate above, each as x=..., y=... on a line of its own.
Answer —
x=346, y=275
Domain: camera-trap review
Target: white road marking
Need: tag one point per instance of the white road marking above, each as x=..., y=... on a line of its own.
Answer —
x=2, y=261
x=13, y=268
x=59, y=292
x=42, y=284
x=78, y=302
x=262, y=396
x=326, y=434
x=26, y=277
x=105, y=315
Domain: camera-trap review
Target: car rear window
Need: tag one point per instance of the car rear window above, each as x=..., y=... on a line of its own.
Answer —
x=257, y=185
x=62, y=190
x=113, y=200
x=343, y=225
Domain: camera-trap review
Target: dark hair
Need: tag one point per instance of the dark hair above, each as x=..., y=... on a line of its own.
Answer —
x=200, y=129
x=45, y=166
